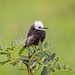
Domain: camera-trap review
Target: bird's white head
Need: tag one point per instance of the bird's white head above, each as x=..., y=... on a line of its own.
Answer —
x=39, y=25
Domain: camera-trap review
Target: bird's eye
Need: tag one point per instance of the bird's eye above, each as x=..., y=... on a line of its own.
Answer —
x=39, y=27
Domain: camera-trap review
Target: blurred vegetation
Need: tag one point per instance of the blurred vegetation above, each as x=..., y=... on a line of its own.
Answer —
x=16, y=17
x=38, y=57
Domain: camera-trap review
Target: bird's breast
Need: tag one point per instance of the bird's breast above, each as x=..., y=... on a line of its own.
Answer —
x=41, y=34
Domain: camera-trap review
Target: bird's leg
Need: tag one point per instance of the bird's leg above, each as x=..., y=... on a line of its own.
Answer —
x=29, y=56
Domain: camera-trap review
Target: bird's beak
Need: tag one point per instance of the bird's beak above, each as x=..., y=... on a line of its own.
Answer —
x=45, y=28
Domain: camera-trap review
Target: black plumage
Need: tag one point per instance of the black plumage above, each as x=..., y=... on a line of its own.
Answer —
x=35, y=35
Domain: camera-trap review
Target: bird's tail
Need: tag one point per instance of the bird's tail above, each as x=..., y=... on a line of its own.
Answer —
x=24, y=46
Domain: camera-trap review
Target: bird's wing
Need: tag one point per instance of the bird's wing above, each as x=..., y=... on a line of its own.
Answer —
x=31, y=40
x=31, y=31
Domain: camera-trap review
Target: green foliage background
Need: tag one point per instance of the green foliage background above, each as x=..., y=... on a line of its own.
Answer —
x=16, y=17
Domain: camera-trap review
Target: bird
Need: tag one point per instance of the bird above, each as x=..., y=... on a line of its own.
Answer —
x=36, y=34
